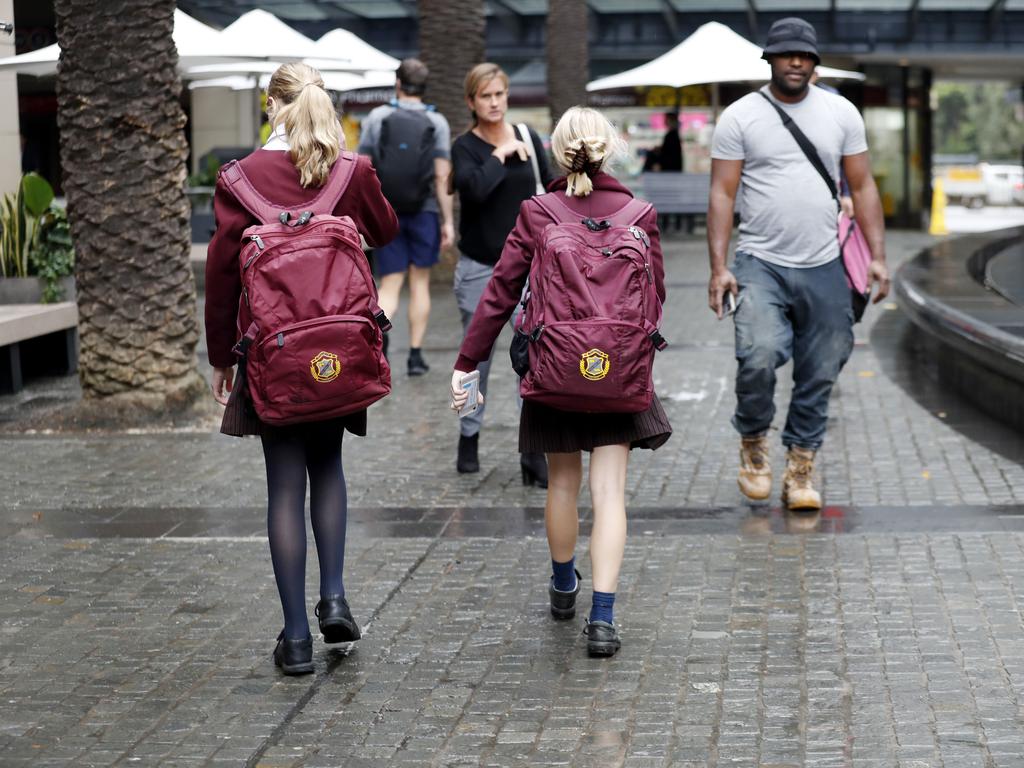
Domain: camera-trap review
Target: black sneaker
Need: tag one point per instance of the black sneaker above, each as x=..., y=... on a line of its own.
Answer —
x=563, y=604
x=336, y=622
x=602, y=638
x=416, y=365
x=294, y=657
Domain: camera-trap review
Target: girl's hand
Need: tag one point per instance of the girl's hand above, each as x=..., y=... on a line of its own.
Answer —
x=223, y=378
x=459, y=395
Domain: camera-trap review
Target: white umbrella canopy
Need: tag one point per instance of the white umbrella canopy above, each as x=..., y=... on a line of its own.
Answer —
x=261, y=35
x=333, y=81
x=712, y=54
x=356, y=53
x=197, y=44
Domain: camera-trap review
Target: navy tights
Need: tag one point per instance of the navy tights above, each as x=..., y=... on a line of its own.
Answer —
x=291, y=453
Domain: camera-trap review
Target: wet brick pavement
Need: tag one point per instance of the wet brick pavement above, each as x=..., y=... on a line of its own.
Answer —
x=138, y=610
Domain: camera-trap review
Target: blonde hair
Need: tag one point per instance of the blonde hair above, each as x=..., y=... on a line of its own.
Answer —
x=477, y=78
x=310, y=122
x=583, y=143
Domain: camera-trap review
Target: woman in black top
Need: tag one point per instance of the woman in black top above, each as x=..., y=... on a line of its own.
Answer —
x=493, y=173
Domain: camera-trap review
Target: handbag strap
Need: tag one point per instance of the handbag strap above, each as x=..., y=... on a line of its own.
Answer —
x=531, y=150
x=811, y=153
x=806, y=146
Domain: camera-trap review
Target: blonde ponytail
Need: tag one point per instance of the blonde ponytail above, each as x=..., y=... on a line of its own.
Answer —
x=584, y=143
x=310, y=122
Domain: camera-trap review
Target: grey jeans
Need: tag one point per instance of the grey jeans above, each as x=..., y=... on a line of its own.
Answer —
x=470, y=281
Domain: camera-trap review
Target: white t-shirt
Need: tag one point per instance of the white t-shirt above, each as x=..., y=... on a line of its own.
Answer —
x=787, y=215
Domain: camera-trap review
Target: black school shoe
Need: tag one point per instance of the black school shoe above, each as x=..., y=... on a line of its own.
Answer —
x=336, y=622
x=602, y=638
x=416, y=365
x=563, y=604
x=294, y=657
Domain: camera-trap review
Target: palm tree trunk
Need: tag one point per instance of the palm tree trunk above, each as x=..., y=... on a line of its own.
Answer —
x=451, y=43
x=567, y=55
x=123, y=152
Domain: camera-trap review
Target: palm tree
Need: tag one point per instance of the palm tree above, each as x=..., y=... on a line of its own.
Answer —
x=451, y=43
x=123, y=151
x=567, y=55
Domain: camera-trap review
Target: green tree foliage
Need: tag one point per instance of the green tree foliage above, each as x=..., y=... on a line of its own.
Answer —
x=983, y=119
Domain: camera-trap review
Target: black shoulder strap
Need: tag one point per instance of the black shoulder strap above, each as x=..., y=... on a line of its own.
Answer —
x=807, y=147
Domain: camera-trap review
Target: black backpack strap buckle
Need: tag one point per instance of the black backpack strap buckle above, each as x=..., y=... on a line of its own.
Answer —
x=241, y=347
x=382, y=320
x=657, y=340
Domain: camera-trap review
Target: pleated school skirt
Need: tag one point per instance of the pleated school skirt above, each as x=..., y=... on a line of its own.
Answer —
x=543, y=429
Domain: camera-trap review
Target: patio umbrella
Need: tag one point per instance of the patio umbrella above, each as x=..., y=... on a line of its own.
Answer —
x=712, y=54
x=197, y=44
x=356, y=53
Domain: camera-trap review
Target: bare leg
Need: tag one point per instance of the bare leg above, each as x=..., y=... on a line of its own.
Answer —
x=565, y=474
x=419, y=304
x=390, y=287
x=608, y=492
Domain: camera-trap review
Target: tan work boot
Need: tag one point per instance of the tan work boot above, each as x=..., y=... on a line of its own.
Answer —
x=798, y=491
x=755, y=478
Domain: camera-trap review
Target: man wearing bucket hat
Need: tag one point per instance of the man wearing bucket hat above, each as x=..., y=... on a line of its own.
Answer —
x=787, y=282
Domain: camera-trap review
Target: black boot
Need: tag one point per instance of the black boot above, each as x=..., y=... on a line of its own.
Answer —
x=535, y=469
x=336, y=622
x=468, y=461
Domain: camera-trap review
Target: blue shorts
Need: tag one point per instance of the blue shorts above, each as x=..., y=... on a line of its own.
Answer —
x=418, y=243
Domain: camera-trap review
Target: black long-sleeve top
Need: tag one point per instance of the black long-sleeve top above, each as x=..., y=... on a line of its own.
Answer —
x=491, y=192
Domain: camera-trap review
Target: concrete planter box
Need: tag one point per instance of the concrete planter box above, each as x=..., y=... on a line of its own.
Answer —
x=29, y=290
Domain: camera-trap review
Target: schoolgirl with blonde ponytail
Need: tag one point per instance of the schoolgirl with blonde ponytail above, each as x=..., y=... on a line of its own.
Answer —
x=298, y=104
x=584, y=143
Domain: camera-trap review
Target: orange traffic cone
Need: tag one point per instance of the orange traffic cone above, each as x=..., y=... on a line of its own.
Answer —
x=938, y=218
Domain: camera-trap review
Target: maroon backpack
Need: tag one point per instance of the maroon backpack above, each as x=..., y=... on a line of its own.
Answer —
x=592, y=312
x=310, y=326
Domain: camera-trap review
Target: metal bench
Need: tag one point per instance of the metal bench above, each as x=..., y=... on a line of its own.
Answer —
x=37, y=339
x=679, y=194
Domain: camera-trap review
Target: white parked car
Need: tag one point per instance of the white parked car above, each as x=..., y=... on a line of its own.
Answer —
x=1004, y=184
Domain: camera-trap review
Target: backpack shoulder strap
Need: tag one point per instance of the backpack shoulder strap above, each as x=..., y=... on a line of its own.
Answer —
x=244, y=192
x=267, y=211
x=338, y=181
x=560, y=212
x=806, y=146
x=557, y=211
x=630, y=213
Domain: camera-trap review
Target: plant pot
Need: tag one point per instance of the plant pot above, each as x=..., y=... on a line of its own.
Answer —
x=29, y=290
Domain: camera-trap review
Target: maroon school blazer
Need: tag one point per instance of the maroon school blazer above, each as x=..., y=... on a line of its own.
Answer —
x=506, y=284
x=277, y=179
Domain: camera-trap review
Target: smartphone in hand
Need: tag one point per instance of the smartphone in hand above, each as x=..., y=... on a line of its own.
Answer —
x=471, y=384
x=730, y=303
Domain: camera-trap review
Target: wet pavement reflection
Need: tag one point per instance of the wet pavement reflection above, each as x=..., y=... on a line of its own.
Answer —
x=498, y=522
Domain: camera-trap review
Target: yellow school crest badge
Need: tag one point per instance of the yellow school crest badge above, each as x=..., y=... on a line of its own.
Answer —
x=325, y=367
x=594, y=365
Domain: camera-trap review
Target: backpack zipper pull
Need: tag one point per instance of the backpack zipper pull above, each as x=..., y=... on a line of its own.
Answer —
x=280, y=340
x=258, y=240
x=647, y=269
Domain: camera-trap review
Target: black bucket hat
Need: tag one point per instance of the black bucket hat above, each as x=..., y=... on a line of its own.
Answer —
x=792, y=35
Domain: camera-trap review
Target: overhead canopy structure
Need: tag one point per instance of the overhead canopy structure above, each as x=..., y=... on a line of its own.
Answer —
x=333, y=81
x=712, y=54
x=197, y=45
x=357, y=55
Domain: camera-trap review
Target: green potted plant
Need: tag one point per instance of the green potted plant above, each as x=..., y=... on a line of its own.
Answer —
x=36, y=253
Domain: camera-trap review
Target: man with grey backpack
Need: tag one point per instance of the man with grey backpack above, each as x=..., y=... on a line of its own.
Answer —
x=780, y=150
